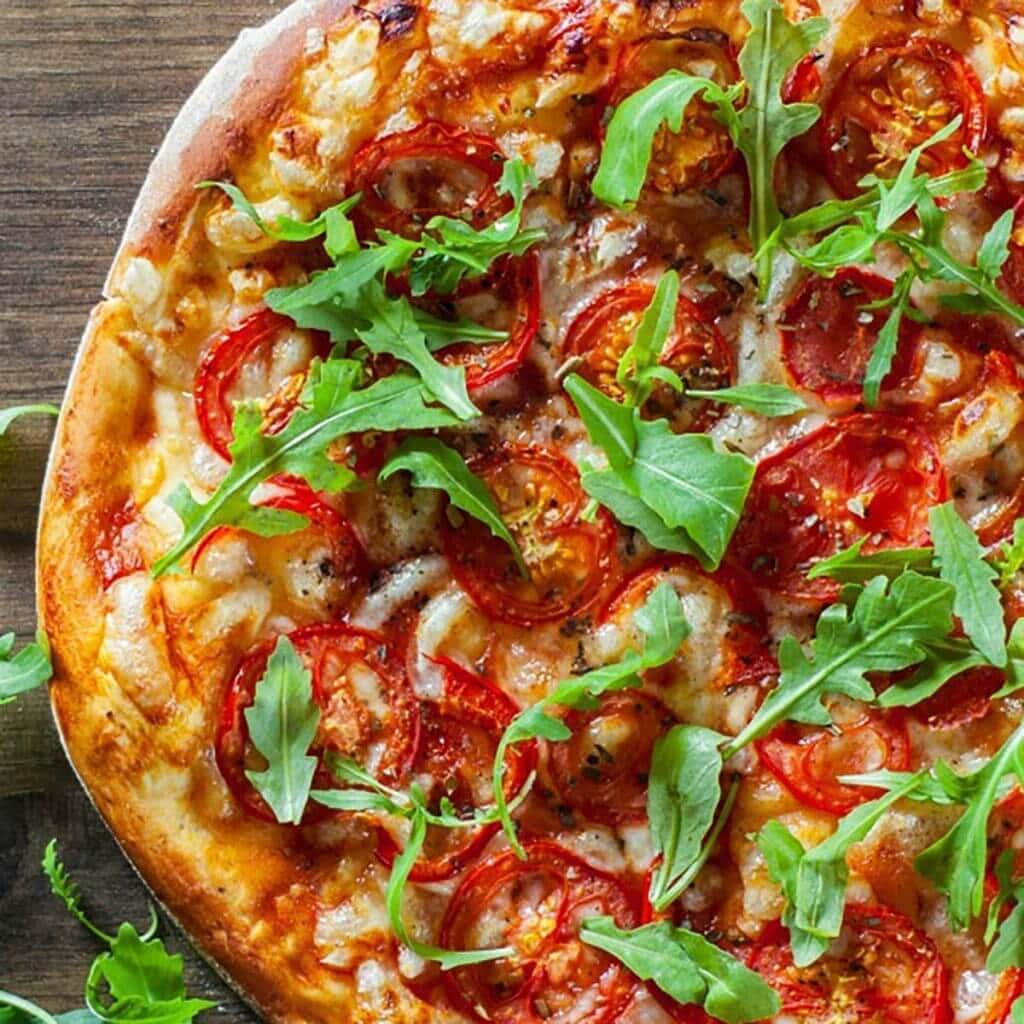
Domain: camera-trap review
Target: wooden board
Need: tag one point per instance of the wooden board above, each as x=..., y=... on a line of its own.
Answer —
x=89, y=88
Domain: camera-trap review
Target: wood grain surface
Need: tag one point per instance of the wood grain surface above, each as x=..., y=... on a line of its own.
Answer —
x=87, y=90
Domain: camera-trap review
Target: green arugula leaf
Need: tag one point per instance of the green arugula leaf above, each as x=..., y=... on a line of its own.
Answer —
x=431, y=463
x=8, y=416
x=956, y=862
x=851, y=566
x=24, y=671
x=885, y=347
x=943, y=660
x=1011, y=555
x=330, y=410
x=994, y=250
x=887, y=630
x=64, y=887
x=661, y=622
x=1014, y=662
x=448, y=959
x=610, y=424
x=684, y=791
x=285, y=229
x=770, y=400
x=283, y=720
x=1008, y=949
x=687, y=967
x=639, y=366
x=940, y=785
x=1017, y=1010
x=814, y=881
x=15, y=1010
x=961, y=561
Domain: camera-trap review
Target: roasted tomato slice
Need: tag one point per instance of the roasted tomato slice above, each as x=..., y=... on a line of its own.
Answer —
x=703, y=150
x=1013, y=269
x=540, y=499
x=808, y=762
x=828, y=336
x=505, y=299
x=460, y=736
x=891, y=99
x=866, y=475
x=724, y=605
x=887, y=972
x=696, y=351
x=965, y=698
x=264, y=349
x=536, y=907
x=431, y=170
x=602, y=771
x=1009, y=989
x=368, y=710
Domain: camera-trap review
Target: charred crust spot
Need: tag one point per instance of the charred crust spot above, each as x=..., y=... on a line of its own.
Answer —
x=396, y=18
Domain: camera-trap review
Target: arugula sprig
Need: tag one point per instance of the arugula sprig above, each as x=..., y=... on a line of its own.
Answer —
x=661, y=622
x=759, y=122
x=1010, y=559
x=25, y=670
x=8, y=416
x=1005, y=938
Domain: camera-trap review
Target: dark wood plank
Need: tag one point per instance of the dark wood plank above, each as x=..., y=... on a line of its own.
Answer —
x=89, y=90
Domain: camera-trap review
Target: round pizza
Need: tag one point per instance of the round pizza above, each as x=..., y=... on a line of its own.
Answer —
x=535, y=531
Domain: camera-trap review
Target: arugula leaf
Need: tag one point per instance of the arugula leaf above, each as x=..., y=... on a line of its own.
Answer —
x=448, y=959
x=814, y=881
x=885, y=347
x=664, y=629
x=283, y=720
x=330, y=410
x=940, y=785
x=23, y=671
x=1008, y=949
x=943, y=660
x=956, y=862
x=1014, y=662
x=994, y=250
x=1011, y=555
x=432, y=463
x=886, y=631
x=686, y=967
x=961, y=561
x=285, y=229
x=850, y=566
x=639, y=366
x=15, y=1010
x=64, y=887
x=1017, y=1010
x=8, y=416
x=767, y=399
x=610, y=424
x=684, y=791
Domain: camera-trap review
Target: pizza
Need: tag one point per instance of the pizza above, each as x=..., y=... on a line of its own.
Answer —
x=534, y=533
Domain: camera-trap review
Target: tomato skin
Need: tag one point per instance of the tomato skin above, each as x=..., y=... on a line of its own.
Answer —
x=965, y=698
x=610, y=787
x=541, y=493
x=799, y=508
x=872, y=97
x=219, y=369
x=116, y=551
x=883, y=941
x=573, y=888
x=1010, y=989
x=315, y=645
x=826, y=343
x=488, y=363
x=747, y=659
x=469, y=701
x=800, y=760
x=431, y=140
x=696, y=350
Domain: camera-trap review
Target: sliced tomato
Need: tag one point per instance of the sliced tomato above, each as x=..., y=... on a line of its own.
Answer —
x=431, y=170
x=828, y=336
x=460, y=736
x=730, y=609
x=507, y=299
x=601, y=772
x=536, y=906
x=885, y=971
x=1013, y=269
x=803, y=84
x=808, y=762
x=696, y=351
x=866, y=475
x=1009, y=989
x=116, y=550
x=540, y=499
x=231, y=354
x=354, y=676
x=965, y=698
x=702, y=151
x=891, y=99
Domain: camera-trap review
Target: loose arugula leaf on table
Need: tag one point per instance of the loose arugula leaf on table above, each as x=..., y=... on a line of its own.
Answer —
x=961, y=561
x=1011, y=555
x=330, y=409
x=26, y=670
x=685, y=966
x=431, y=463
x=852, y=566
x=887, y=630
x=64, y=887
x=283, y=720
x=814, y=881
x=956, y=863
x=15, y=1010
x=684, y=792
x=661, y=622
x=8, y=416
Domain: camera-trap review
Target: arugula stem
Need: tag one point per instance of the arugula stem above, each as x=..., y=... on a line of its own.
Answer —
x=17, y=1003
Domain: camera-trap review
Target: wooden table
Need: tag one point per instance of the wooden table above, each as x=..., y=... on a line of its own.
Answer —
x=87, y=91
